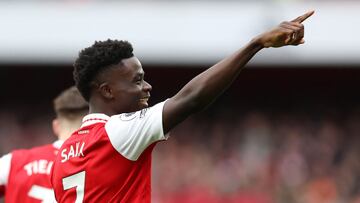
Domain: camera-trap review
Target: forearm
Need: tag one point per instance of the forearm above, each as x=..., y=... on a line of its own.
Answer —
x=207, y=86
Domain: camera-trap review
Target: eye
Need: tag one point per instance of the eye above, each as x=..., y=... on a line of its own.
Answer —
x=138, y=80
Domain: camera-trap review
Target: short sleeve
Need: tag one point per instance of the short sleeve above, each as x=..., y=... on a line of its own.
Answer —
x=5, y=164
x=132, y=133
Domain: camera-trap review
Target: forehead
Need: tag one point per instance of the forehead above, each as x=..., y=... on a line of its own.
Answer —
x=129, y=67
x=132, y=62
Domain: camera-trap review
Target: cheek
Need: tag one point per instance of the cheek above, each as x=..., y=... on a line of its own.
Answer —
x=130, y=96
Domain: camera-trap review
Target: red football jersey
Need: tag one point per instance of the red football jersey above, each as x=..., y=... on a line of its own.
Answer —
x=109, y=158
x=26, y=177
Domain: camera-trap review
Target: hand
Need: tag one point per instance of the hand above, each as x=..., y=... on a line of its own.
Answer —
x=287, y=33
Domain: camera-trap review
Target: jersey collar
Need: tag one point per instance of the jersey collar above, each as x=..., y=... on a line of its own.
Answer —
x=94, y=118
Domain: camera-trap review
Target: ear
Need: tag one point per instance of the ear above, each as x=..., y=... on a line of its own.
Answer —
x=106, y=91
x=56, y=127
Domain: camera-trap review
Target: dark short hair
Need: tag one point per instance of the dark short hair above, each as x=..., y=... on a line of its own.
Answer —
x=70, y=104
x=97, y=58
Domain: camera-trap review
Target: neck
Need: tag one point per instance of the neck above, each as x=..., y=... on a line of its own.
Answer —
x=67, y=128
x=101, y=108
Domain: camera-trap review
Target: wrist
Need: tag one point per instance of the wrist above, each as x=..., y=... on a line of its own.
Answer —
x=257, y=42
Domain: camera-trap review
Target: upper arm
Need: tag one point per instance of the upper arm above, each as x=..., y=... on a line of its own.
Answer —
x=170, y=114
x=5, y=163
x=177, y=109
x=130, y=134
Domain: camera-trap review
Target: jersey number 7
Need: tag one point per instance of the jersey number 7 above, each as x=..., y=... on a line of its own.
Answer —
x=77, y=180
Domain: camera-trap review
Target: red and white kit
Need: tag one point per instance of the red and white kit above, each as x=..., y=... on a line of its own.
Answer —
x=109, y=158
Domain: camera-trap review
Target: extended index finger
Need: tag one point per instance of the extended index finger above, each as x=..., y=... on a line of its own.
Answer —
x=302, y=18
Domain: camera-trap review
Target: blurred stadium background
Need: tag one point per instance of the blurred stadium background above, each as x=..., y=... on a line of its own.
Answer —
x=287, y=131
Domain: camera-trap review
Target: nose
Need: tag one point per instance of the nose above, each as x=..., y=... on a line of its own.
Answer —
x=147, y=87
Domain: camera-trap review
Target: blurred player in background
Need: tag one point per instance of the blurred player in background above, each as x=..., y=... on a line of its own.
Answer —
x=2, y=190
x=109, y=158
x=24, y=174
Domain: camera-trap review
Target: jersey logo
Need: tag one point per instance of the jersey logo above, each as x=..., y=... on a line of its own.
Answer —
x=143, y=112
x=83, y=132
x=128, y=116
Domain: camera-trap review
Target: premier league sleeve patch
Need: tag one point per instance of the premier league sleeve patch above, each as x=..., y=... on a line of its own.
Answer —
x=128, y=116
x=143, y=112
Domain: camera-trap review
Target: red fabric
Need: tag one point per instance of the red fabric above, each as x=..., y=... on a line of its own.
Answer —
x=29, y=169
x=109, y=177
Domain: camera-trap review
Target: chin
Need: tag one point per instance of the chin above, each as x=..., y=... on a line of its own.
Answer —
x=143, y=106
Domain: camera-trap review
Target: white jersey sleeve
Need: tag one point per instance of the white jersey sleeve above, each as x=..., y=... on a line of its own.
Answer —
x=5, y=164
x=132, y=133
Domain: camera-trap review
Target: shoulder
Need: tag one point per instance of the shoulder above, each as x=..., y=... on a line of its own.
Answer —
x=6, y=158
x=138, y=115
x=131, y=133
x=21, y=156
x=134, y=122
x=33, y=150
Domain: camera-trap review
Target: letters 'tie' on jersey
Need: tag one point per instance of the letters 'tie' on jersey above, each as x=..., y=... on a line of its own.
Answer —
x=25, y=174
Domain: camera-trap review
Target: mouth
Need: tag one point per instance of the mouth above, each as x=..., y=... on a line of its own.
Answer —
x=144, y=100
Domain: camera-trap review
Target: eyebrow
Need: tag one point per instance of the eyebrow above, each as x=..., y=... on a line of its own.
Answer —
x=139, y=74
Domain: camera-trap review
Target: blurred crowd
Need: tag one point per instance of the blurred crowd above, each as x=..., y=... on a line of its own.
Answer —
x=260, y=157
x=185, y=0
x=223, y=155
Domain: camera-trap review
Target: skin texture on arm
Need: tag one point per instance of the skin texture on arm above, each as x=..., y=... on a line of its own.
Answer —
x=202, y=90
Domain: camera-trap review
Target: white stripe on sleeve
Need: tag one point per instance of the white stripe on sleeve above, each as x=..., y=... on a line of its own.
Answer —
x=5, y=164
